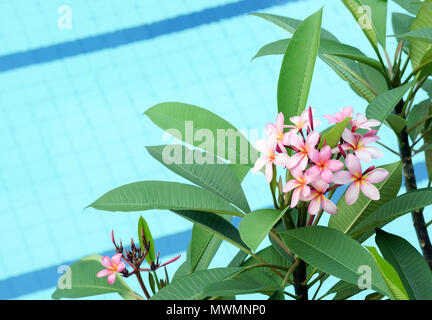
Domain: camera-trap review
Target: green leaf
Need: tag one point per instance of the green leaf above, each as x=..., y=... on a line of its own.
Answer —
x=333, y=252
x=408, y=263
x=401, y=24
x=380, y=108
x=418, y=49
x=297, y=67
x=396, y=122
x=190, y=287
x=408, y=5
x=204, y=246
x=390, y=276
x=345, y=71
x=424, y=35
x=215, y=224
x=146, y=195
x=418, y=113
x=407, y=202
x=372, y=21
x=333, y=135
x=291, y=25
x=236, y=287
x=257, y=224
x=427, y=86
x=374, y=296
x=84, y=282
x=348, y=217
x=184, y=120
x=142, y=225
x=183, y=270
x=326, y=46
x=343, y=290
x=217, y=178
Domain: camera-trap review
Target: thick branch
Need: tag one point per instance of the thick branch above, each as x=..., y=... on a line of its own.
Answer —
x=411, y=184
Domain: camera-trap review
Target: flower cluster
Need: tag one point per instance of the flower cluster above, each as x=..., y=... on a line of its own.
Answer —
x=314, y=167
x=133, y=257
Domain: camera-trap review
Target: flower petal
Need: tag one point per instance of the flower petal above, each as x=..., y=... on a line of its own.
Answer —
x=314, y=206
x=349, y=137
x=334, y=165
x=325, y=153
x=290, y=185
x=280, y=122
x=342, y=177
x=295, y=197
x=103, y=273
x=260, y=163
x=370, y=191
x=327, y=175
x=376, y=175
x=111, y=278
x=352, y=193
x=314, y=155
x=363, y=155
x=106, y=262
x=281, y=159
x=116, y=259
x=269, y=172
x=296, y=141
x=328, y=206
x=353, y=164
x=312, y=139
x=295, y=160
x=374, y=152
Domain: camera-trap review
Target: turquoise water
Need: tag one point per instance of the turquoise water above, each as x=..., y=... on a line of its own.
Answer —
x=71, y=124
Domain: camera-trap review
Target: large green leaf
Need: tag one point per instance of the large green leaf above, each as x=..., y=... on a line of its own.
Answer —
x=407, y=202
x=349, y=217
x=345, y=70
x=330, y=47
x=418, y=49
x=373, y=25
x=204, y=246
x=217, y=178
x=143, y=226
x=343, y=290
x=190, y=287
x=380, y=108
x=236, y=287
x=424, y=35
x=408, y=263
x=333, y=135
x=410, y=6
x=84, y=282
x=401, y=24
x=215, y=224
x=146, y=195
x=290, y=24
x=257, y=224
x=297, y=67
x=428, y=153
x=335, y=253
x=215, y=135
x=390, y=276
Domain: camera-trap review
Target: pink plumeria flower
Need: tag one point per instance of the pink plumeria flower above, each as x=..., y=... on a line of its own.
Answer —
x=318, y=200
x=300, y=186
x=112, y=266
x=302, y=121
x=324, y=164
x=269, y=157
x=340, y=115
x=361, y=122
x=358, y=143
x=277, y=130
x=360, y=181
x=300, y=159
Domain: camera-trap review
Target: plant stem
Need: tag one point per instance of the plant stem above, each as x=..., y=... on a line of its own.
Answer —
x=411, y=184
x=293, y=267
x=299, y=274
x=388, y=148
x=317, y=290
x=140, y=280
